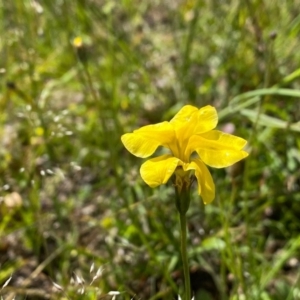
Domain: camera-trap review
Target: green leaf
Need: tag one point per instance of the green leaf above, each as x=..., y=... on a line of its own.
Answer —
x=213, y=243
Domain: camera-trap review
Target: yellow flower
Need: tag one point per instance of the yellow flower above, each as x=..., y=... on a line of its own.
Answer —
x=77, y=42
x=190, y=132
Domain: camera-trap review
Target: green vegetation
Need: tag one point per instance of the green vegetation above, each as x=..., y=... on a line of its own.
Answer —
x=76, y=219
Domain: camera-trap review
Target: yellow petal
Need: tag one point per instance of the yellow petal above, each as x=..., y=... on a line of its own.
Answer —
x=198, y=120
x=189, y=121
x=144, y=141
x=158, y=170
x=218, y=149
x=207, y=119
x=183, y=116
x=221, y=158
x=225, y=139
x=206, y=186
x=138, y=145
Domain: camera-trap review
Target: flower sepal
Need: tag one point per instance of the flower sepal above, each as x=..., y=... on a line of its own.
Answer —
x=183, y=182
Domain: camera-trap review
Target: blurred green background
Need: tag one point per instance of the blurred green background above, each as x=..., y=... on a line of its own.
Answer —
x=76, y=220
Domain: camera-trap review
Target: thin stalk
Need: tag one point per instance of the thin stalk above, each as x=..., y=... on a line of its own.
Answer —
x=184, y=256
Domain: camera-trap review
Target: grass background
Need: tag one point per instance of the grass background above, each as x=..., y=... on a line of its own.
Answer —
x=76, y=220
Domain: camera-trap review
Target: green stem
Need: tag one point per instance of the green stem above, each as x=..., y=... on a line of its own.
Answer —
x=183, y=198
x=184, y=256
